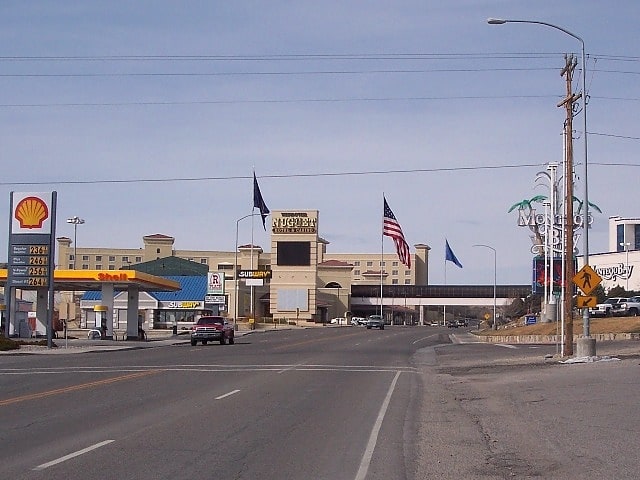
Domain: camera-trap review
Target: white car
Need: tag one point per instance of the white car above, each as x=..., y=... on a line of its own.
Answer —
x=355, y=321
x=339, y=321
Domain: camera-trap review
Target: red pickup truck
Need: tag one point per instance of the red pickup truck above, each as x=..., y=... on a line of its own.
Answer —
x=212, y=328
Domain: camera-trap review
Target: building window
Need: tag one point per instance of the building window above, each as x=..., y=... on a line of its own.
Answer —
x=71, y=257
x=620, y=237
x=85, y=266
x=407, y=272
x=394, y=281
x=125, y=259
x=394, y=272
x=369, y=264
x=138, y=259
x=356, y=263
x=407, y=281
x=382, y=264
x=71, y=266
x=112, y=267
x=356, y=272
x=98, y=258
x=112, y=258
x=225, y=266
x=98, y=266
x=85, y=258
x=157, y=250
x=204, y=261
x=394, y=264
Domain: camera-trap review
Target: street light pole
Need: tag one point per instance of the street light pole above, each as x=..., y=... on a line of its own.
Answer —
x=626, y=246
x=75, y=221
x=495, y=278
x=585, y=199
x=235, y=269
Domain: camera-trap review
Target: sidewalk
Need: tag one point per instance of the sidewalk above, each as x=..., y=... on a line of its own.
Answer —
x=159, y=338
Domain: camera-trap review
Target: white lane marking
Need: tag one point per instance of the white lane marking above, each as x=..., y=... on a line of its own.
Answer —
x=232, y=392
x=73, y=455
x=373, y=438
x=504, y=345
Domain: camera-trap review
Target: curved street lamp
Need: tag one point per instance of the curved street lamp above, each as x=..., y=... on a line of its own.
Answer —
x=585, y=223
x=75, y=221
x=495, y=276
x=235, y=270
x=626, y=246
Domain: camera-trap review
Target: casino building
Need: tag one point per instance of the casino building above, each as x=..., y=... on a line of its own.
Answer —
x=298, y=279
x=618, y=266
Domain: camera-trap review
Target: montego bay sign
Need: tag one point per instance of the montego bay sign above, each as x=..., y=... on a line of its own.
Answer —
x=539, y=222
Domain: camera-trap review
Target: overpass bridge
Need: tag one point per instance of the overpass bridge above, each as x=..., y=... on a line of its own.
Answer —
x=415, y=299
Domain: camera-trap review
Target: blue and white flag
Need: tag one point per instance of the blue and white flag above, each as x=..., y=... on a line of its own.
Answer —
x=449, y=255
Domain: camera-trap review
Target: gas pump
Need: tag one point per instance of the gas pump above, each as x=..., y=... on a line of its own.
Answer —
x=101, y=320
x=3, y=316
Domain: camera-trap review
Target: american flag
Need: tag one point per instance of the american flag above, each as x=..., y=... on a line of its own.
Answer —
x=391, y=228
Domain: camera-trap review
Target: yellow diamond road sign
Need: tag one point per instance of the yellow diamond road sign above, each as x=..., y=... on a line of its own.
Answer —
x=587, y=279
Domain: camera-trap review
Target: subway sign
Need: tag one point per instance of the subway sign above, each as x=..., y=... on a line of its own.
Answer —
x=186, y=305
x=261, y=274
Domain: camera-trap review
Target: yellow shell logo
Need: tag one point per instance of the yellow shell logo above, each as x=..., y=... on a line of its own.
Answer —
x=31, y=212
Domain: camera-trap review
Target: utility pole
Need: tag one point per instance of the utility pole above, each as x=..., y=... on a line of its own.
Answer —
x=568, y=102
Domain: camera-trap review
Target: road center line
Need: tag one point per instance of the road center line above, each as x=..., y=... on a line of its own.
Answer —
x=373, y=438
x=504, y=345
x=233, y=392
x=72, y=388
x=73, y=455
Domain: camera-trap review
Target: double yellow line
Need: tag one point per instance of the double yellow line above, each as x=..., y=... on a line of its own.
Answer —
x=73, y=388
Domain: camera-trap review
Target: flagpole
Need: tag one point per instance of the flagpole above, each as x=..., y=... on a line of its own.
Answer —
x=381, y=260
x=444, y=306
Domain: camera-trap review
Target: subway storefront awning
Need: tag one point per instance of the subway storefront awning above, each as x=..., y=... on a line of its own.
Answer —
x=94, y=279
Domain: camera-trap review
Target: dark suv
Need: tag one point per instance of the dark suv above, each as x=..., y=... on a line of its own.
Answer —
x=212, y=328
x=375, y=321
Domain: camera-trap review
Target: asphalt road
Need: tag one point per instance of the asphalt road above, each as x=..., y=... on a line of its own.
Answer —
x=328, y=403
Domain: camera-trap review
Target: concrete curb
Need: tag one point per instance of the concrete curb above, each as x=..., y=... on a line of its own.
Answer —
x=551, y=339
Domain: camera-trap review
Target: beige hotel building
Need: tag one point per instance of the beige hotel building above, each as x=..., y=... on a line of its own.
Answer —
x=306, y=281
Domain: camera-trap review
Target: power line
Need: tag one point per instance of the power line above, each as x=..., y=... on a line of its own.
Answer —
x=298, y=175
x=273, y=101
x=310, y=72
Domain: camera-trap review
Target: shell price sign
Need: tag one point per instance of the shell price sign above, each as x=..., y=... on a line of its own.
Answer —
x=31, y=237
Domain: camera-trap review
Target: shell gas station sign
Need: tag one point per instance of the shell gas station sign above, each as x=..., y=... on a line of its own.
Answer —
x=31, y=235
x=31, y=247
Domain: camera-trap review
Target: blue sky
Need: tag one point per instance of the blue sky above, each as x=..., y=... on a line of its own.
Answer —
x=332, y=103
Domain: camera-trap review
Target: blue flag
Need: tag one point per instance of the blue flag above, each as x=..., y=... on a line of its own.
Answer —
x=449, y=255
x=258, y=201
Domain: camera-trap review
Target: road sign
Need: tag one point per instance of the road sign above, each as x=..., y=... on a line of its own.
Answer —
x=587, y=279
x=586, y=302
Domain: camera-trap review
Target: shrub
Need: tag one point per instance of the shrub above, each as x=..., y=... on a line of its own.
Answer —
x=8, y=344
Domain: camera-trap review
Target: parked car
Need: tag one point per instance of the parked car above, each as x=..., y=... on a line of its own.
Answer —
x=338, y=321
x=629, y=307
x=212, y=327
x=452, y=324
x=608, y=308
x=355, y=321
x=375, y=321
